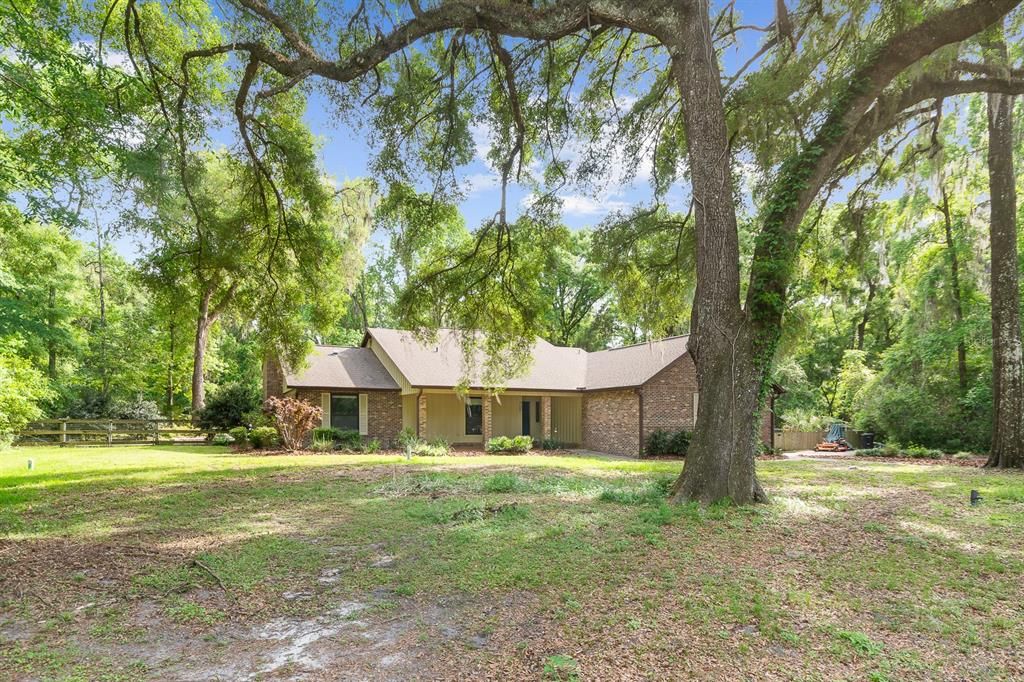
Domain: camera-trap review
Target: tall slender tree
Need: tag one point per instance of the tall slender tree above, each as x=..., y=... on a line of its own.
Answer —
x=1007, y=354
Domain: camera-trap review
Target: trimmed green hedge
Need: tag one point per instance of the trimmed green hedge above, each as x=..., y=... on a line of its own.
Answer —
x=515, y=444
x=663, y=442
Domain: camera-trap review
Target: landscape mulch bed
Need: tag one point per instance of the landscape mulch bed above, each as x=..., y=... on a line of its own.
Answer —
x=973, y=462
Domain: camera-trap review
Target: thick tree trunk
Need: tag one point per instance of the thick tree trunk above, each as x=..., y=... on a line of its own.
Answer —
x=720, y=460
x=954, y=281
x=203, y=324
x=1007, y=362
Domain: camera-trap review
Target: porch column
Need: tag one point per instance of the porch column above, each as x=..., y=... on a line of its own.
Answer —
x=486, y=426
x=545, y=416
x=421, y=415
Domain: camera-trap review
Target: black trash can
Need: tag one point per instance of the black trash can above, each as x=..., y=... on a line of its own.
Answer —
x=867, y=440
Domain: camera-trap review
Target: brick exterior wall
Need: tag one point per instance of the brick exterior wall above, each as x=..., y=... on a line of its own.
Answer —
x=611, y=421
x=273, y=378
x=383, y=412
x=668, y=398
x=767, y=425
x=384, y=415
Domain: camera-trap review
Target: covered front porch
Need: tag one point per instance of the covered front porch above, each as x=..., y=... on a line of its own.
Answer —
x=477, y=416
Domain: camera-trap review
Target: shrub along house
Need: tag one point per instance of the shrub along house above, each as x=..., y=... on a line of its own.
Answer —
x=608, y=401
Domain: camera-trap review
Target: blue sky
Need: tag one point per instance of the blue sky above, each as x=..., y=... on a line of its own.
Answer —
x=346, y=154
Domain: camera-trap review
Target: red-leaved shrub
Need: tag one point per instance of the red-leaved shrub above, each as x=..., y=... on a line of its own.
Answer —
x=294, y=420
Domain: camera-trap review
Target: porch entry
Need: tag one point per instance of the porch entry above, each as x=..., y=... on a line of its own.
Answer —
x=531, y=417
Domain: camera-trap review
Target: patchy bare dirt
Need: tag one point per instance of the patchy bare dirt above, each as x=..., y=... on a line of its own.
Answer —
x=379, y=637
x=977, y=461
x=764, y=593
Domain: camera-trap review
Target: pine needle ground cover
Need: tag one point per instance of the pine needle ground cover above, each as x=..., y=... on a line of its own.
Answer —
x=178, y=563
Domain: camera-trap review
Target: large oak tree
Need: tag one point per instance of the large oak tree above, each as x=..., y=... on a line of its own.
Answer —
x=826, y=84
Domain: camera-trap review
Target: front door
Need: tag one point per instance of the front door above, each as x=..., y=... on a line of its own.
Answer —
x=526, y=417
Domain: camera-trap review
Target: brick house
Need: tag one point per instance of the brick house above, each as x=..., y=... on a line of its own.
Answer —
x=608, y=401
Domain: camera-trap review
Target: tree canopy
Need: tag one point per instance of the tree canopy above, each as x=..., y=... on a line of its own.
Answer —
x=828, y=229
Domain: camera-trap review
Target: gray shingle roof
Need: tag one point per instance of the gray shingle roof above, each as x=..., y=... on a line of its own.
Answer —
x=632, y=365
x=554, y=368
x=342, y=367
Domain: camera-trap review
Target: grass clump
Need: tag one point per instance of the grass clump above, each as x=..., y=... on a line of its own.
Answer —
x=505, y=483
x=912, y=452
x=431, y=484
x=859, y=642
x=473, y=512
x=435, y=447
x=653, y=492
x=561, y=667
x=187, y=612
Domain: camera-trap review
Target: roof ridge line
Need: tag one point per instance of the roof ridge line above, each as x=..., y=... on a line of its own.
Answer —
x=642, y=343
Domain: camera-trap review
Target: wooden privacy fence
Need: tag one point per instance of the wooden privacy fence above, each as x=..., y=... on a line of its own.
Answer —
x=806, y=440
x=66, y=432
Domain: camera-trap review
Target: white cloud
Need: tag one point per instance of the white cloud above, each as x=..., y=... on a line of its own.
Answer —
x=113, y=59
x=482, y=140
x=580, y=205
x=479, y=182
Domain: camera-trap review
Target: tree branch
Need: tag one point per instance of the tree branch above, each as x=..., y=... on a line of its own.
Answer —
x=802, y=177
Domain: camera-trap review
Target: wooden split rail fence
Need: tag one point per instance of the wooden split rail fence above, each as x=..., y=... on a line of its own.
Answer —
x=70, y=432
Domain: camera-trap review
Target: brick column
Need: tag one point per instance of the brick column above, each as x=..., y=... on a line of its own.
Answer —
x=421, y=415
x=273, y=377
x=545, y=416
x=486, y=400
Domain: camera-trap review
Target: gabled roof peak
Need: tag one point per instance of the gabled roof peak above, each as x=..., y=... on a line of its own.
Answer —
x=554, y=368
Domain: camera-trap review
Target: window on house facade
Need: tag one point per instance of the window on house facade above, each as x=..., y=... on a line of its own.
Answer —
x=345, y=411
x=536, y=411
x=474, y=416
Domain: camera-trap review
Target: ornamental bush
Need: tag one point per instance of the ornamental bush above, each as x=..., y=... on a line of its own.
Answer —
x=435, y=447
x=324, y=433
x=663, y=442
x=679, y=443
x=293, y=418
x=241, y=436
x=320, y=443
x=223, y=439
x=341, y=439
x=230, y=406
x=347, y=439
x=515, y=444
x=264, y=437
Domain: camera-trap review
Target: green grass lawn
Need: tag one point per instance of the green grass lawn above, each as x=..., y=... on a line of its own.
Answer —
x=176, y=562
